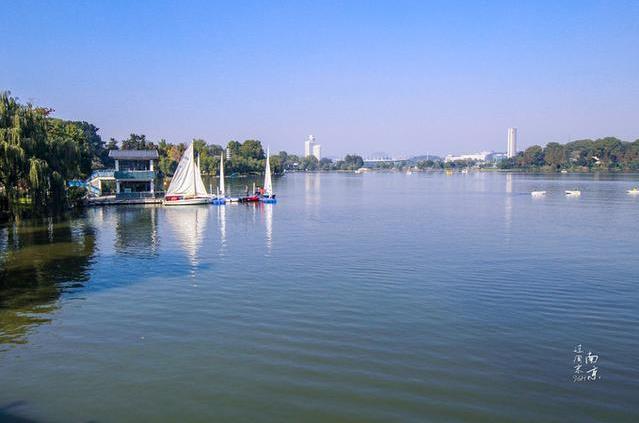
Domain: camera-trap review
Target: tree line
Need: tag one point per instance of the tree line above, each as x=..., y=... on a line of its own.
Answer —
x=609, y=154
x=241, y=158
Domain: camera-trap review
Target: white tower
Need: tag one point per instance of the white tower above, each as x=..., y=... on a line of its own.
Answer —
x=317, y=151
x=308, y=146
x=512, y=142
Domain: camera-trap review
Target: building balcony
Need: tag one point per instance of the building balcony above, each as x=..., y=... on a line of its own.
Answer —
x=134, y=175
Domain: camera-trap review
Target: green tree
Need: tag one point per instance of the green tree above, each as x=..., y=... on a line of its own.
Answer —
x=37, y=155
x=533, y=156
x=252, y=149
x=137, y=142
x=554, y=155
x=325, y=164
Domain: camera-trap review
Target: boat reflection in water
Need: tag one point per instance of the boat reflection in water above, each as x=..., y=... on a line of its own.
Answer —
x=267, y=211
x=189, y=223
x=221, y=223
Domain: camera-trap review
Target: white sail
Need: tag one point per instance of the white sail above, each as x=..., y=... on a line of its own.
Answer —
x=187, y=180
x=222, y=189
x=268, y=185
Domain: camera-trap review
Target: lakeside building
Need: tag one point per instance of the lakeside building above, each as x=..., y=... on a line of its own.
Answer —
x=134, y=173
x=311, y=148
x=483, y=156
x=512, y=142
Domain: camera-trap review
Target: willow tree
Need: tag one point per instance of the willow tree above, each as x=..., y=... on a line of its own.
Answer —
x=37, y=155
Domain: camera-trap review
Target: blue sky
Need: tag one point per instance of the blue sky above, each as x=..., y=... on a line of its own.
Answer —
x=401, y=77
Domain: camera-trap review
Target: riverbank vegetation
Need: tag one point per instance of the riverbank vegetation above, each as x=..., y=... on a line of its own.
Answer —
x=604, y=154
x=608, y=154
x=38, y=154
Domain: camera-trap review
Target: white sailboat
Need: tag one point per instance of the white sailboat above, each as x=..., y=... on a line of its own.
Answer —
x=267, y=194
x=221, y=190
x=186, y=186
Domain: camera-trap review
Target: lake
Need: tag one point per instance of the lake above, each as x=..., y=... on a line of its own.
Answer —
x=374, y=297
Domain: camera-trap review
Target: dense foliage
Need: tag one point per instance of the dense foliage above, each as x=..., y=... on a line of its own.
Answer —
x=291, y=162
x=608, y=153
x=37, y=155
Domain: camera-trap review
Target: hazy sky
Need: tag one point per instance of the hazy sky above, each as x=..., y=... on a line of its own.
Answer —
x=400, y=77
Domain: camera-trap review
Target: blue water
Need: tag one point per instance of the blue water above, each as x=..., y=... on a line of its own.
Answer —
x=375, y=297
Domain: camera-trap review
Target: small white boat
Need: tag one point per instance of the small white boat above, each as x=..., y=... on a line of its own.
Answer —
x=538, y=193
x=633, y=191
x=564, y=171
x=186, y=187
x=573, y=193
x=409, y=172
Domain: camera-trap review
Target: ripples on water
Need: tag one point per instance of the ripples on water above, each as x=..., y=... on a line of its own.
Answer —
x=355, y=298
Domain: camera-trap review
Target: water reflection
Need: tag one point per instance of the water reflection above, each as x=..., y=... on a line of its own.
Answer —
x=136, y=231
x=268, y=223
x=189, y=225
x=221, y=222
x=508, y=204
x=39, y=261
x=312, y=200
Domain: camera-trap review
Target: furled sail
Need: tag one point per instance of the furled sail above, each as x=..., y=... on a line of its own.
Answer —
x=187, y=180
x=268, y=185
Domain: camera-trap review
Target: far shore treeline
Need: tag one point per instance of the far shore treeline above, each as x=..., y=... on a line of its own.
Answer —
x=608, y=154
x=40, y=153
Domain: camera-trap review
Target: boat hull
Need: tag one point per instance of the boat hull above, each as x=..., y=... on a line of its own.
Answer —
x=250, y=199
x=187, y=201
x=268, y=200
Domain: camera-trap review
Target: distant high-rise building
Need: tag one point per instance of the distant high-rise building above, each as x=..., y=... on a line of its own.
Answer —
x=317, y=151
x=311, y=148
x=228, y=154
x=512, y=142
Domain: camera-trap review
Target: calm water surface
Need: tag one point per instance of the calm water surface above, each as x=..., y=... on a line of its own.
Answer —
x=380, y=297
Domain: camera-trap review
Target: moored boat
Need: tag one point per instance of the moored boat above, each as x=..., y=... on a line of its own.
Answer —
x=220, y=198
x=538, y=193
x=186, y=187
x=267, y=195
x=573, y=193
x=633, y=191
x=250, y=199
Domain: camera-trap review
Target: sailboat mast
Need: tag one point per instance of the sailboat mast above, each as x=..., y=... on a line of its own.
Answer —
x=221, y=184
x=193, y=165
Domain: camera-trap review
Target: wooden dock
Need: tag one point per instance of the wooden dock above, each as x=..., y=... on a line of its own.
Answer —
x=111, y=200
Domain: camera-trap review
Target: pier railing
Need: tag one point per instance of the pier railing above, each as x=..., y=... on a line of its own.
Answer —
x=134, y=175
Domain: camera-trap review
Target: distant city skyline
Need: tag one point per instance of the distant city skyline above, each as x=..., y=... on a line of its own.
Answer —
x=405, y=77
